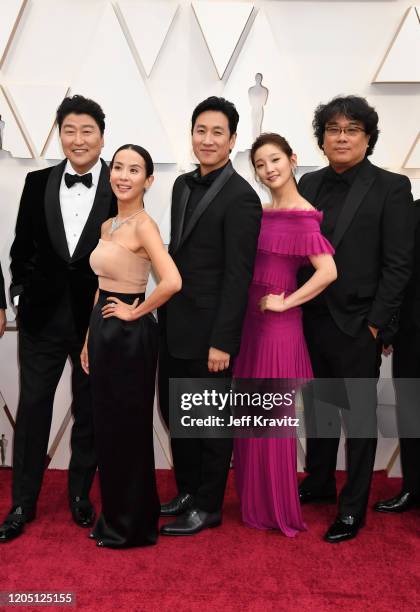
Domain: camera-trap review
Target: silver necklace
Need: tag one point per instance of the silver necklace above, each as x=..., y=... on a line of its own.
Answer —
x=116, y=224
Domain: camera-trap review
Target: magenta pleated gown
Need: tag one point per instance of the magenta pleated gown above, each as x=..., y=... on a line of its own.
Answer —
x=273, y=346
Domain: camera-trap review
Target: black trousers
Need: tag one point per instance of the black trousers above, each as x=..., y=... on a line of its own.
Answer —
x=354, y=363
x=406, y=366
x=42, y=358
x=201, y=466
x=122, y=363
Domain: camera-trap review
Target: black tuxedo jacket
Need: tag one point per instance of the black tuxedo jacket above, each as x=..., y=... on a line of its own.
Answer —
x=43, y=273
x=215, y=255
x=2, y=294
x=410, y=309
x=372, y=248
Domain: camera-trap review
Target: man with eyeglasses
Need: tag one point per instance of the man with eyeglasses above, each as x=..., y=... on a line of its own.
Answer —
x=365, y=211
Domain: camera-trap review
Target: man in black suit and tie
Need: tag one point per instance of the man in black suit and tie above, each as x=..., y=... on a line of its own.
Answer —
x=365, y=217
x=3, y=305
x=58, y=225
x=406, y=374
x=215, y=222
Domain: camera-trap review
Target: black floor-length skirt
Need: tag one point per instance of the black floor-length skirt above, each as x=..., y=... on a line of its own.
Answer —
x=122, y=362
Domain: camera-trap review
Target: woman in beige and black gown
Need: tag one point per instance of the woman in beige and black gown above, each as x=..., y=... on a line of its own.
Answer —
x=121, y=355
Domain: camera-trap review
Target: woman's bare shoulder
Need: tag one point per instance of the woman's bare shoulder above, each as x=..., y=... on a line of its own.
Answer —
x=147, y=226
x=304, y=205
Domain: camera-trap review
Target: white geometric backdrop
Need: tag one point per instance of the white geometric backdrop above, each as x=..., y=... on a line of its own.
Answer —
x=149, y=63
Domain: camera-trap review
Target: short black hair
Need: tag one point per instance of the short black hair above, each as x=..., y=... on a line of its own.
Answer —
x=81, y=106
x=142, y=152
x=352, y=107
x=219, y=105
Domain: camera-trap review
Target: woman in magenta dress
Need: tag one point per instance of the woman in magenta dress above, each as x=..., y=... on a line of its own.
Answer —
x=272, y=344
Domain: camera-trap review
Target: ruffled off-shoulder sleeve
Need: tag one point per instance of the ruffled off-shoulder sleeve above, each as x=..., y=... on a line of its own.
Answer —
x=294, y=233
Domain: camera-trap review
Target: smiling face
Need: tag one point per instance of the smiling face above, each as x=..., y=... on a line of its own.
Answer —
x=212, y=140
x=273, y=167
x=128, y=176
x=345, y=150
x=81, y=140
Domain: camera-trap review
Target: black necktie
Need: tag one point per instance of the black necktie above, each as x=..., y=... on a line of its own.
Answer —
x=72, y=179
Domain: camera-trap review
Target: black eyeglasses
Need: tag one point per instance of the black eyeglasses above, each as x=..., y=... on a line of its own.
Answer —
x=350, y=130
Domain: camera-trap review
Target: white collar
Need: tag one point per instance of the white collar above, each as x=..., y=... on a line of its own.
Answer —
x=95, y=171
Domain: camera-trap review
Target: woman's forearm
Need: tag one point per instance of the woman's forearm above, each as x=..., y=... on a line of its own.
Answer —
x=313, y=287
x=162, y=293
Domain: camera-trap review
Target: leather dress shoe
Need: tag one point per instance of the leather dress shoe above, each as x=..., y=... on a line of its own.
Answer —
x=14, y=523
x=345, y=527
x=191, y=522
x=82, y=512
x=400, y=503
x=307, y=497
x=177, y=506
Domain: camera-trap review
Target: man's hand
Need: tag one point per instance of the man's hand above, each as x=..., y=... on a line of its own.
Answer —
x=84, y=358
x=218, y=360
x=387, y=350
x=2, y=321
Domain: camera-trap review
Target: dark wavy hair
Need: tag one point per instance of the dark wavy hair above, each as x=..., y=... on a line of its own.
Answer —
x=79, y=105
x=270, y=138
x=144, y=154
x=220, y=105
x=352, y=107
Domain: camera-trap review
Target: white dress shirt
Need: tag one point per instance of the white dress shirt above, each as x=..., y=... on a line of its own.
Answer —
x=76, y=203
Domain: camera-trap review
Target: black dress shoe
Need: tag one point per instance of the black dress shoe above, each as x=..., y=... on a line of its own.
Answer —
x=345, y=527
x=82, y=512
x=177, y=506
x=14, y=523
x=402, y=502
x=307, y=497
x=191, y=522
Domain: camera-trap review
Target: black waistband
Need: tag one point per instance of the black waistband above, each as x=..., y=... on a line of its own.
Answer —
x=124, y=297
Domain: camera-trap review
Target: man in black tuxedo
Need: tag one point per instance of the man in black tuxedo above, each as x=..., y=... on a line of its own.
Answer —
x=215, y=222
x=3, y=305
x=58, y=225
x=365, y=217
x=406, y=374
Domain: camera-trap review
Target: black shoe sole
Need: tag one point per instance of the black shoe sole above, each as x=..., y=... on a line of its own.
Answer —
x=191, y=533
x=346, y=539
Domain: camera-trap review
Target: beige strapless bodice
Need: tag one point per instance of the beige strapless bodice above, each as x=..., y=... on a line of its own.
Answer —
x=119, y=269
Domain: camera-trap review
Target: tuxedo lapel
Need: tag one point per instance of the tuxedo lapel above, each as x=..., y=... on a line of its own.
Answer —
x=178, y=218
x=99, y=213
x=361, y=185
x=309, y=188
x=207, y=198
x=53, y=215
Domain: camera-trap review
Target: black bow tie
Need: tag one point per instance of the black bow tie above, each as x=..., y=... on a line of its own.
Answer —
x=72, y=179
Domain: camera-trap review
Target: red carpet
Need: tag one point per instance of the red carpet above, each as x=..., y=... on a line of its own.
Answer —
x=229, y=568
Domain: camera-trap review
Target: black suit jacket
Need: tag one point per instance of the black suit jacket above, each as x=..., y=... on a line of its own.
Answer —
x=372, y=248
x=410, y=309
x=2, y=294
x=43, y=273
x=215, y=255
